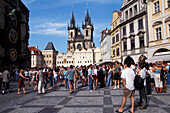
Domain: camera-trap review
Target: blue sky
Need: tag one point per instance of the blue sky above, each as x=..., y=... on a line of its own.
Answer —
x=49, y=19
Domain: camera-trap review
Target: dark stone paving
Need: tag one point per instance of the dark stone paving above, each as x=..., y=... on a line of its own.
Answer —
x=57, y=100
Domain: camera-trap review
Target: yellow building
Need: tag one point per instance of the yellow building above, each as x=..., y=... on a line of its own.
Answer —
x=115, y=37
x=159, y=30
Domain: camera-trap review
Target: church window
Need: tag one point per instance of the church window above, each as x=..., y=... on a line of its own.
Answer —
x=79, y=46
x=71, y=34
x=87, y=33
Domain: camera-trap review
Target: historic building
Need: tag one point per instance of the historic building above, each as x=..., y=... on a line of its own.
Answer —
x=105, y=44
x=50, y=55
x=159, y=30
x=65, y=59
x=116, y=37
x=77, y=40
x=134, y=30
x=37, y=59
x=14, y=32
x=86, y=56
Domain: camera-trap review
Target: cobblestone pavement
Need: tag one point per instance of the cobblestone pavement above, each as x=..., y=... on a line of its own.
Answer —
x=105, y=100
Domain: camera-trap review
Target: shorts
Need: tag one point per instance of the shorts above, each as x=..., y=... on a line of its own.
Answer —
x=128, y=93
x=116, y=76
x=6, y=85
x=55, y=79
x=27, y=79
x=152, y=80
x=94, y=76
x=21, y=84
x=71, y=82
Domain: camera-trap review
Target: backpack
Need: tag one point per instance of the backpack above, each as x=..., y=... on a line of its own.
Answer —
x=138, y=82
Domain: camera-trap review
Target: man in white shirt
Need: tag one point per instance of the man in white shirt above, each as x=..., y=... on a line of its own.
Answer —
x=128, y=77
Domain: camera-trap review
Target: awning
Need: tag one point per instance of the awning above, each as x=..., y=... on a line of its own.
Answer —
x=159, y=58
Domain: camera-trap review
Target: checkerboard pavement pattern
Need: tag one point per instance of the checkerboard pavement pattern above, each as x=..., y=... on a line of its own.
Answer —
x=104, y=100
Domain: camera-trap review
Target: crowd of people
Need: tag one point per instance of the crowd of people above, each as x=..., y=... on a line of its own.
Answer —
x=154, y=76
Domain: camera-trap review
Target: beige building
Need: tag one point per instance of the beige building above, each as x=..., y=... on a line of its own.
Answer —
x=65, y=59
x=50, y=55
x=159, y=30
x=37, y=59
x=115, y=37
x=86, y=56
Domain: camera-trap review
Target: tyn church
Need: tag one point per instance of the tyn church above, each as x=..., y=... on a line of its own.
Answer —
x=77, y=40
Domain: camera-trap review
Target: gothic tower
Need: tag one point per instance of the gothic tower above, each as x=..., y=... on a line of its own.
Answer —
x=88, y=31
x=72, y=33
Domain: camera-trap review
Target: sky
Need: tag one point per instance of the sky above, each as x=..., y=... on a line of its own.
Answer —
x=49, y=19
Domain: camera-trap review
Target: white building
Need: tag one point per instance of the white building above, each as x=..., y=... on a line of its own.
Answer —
x=65, y=59
x=134, y=30
x=105, y=43
x=36, y=57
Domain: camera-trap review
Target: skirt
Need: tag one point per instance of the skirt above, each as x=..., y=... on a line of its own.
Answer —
x=21, y=84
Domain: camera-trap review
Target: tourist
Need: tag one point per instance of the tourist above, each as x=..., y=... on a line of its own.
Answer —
x=110, y=74
x=61, y=72
x=50, y=77
x=1, y=78
x=106, y=74
x=40, y=83
x=77, y=75
x=21, y=82
x=27, y=76
x=45, y=77
x=128, y=76
x=35, y=79
x=162, y=75
x=6, y=77
x=71, y=77
x=55, y=77
x=152, y=76
x=168, y=72
x=101, y=76
x=85, y=73
x=142, y=92
x=90, y=73
x=117, y=75
x=158, y=82
x=81, y=74
x=95, y=77
x=66, y=79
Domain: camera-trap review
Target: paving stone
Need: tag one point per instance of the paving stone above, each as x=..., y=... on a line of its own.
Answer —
x=108, y=110
x=88, y=93
x=26, y=110
x=65, y=101
x=107, y=92
x=49, y=110
x=107, y=101
x=58, y=93
x=81, y=110
x=46, y=101
x=86, y=101
x=163, y=99
x=8, y=110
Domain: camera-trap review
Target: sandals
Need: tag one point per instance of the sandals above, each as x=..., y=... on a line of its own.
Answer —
x=130, y=111
x=117, y=111
x=26, y=92
x=19, y=93
x=142, y=107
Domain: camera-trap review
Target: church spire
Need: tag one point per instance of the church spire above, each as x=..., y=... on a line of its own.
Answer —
x=87, y=19
x=72, y=21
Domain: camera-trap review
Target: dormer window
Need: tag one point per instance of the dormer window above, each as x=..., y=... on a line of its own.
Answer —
x=71, y=34
x=87, y=33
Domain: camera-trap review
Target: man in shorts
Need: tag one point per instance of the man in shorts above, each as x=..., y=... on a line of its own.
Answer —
x=6, y=78
x=71, y=77
x=128, y=77
x=117, y=76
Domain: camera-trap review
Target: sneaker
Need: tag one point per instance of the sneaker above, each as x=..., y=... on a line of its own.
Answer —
x=91, y=90
x=118, y=87
x=65, y=89
x=115, y=87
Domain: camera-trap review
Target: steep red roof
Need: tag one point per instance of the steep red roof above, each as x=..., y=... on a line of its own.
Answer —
x=33, y=49
x=106, y=30
x=119, y=13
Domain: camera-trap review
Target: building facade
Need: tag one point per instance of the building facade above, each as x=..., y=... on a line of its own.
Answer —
x=105, y=43
x=159, y=30
x=65, y=59
x=49, y=55
x=14, y=32
x=37, y=59
x=116, y=37
x=134, y=30
x=97, y=55
x=77, y=40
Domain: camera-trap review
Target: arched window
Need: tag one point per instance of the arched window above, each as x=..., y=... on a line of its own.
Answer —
x=71, y=34
x=79, y=46
x=87, y=33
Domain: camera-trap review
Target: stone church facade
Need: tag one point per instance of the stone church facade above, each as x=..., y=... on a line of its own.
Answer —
x=77, y=40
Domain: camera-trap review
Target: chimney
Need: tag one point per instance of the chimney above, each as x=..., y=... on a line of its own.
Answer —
x=36, y=47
